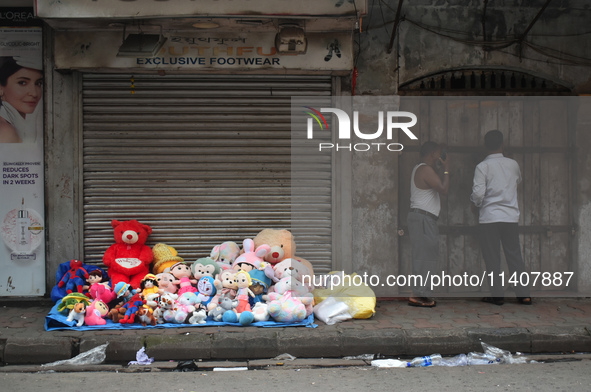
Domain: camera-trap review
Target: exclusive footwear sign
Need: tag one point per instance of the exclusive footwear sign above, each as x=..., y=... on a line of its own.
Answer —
x=219, y=51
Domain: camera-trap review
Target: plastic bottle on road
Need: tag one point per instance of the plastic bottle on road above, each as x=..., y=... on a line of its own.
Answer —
x=458, y=360
x=429, y=360
x=482, y=359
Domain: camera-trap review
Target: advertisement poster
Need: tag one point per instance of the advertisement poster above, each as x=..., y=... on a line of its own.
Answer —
x=22, y=245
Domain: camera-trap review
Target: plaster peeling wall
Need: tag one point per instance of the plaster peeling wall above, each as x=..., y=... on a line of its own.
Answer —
x=562, y=27
x=583, y=197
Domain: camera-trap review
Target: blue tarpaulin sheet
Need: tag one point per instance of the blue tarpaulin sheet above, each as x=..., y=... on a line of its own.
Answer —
x=59, y=321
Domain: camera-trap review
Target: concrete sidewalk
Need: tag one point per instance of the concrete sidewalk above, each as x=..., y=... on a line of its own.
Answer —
x=455, y=326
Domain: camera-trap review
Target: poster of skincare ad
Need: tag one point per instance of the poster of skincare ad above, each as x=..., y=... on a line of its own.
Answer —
x=22, y=242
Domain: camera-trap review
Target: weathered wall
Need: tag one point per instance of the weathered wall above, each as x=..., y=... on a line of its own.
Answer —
x=61, y=163
x=582, y=250
x=455, y=41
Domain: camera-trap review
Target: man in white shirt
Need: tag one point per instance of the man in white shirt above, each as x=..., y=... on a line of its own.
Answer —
x=494, y=192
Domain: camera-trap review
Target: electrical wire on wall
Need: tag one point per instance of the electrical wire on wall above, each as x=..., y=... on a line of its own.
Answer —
x=499, y=44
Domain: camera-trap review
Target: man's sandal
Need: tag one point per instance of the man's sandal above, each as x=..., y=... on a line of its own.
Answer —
x=525, y=300
x=421, y=302
x=494, y=300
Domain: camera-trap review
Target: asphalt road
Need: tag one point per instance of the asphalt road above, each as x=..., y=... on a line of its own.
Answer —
x=574, y=375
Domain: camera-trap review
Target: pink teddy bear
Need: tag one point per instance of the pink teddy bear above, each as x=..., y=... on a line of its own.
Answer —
x=288, y=303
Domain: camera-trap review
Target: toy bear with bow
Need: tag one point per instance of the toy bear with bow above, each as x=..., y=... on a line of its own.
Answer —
x=129, y=258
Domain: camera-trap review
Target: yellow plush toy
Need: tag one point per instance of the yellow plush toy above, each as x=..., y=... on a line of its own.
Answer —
x=282, y=245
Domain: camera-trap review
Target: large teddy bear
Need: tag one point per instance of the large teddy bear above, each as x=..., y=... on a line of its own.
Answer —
x=288, y=303
x=282, y=245
x=128, y=259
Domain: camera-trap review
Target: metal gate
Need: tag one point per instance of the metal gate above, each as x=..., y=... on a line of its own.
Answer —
x=537, y=136
x=201, y=159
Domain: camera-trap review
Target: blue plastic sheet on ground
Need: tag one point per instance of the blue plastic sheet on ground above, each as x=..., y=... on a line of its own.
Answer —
x=55, y=321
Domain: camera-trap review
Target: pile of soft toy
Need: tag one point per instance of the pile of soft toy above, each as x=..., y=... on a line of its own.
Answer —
x=264, y=280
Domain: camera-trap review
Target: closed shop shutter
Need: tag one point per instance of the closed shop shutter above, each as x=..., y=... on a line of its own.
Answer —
x=201, y=159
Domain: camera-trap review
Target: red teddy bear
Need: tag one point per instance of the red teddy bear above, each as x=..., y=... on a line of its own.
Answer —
x=129, y=258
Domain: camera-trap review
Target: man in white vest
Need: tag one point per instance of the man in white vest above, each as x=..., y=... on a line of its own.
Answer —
x=426, y=185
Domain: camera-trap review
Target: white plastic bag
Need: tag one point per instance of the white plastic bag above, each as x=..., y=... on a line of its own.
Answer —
x=332, y=311
x=94, y=356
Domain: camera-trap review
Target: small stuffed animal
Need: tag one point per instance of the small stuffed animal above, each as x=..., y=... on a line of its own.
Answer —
x=198, y=317
x=117, y=313
x=205, y=266
x=165, y=311
x=225, y=254
x=285, y=305
x=96, y=313
x=78, y=313
x=296, y=269
x=260, y=311
x=145, y=316
x=128, y=259
x=207, y=290
x=185, y=306
x=226, y=303
x=165, y=284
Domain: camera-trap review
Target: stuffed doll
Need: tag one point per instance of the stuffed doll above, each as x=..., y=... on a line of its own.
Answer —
x=128, y=259
x=243, y=282
x=282, y=246
x=132, y=301
x=145, y=316
x=207, y=290
x=260, y=284
x=149, y=286
x=165, y=284
x=132, y=307
x=124, y=292
x=96, y=313
x=78, y=313
x=225, y=254
x=182, y=274
x=97, y=289
x=150, y=290
x=288, y=303
x=251, y=258
x=75, y=278
x=205, y=266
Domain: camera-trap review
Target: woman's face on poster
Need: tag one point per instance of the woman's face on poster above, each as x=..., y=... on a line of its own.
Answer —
x=23, y=90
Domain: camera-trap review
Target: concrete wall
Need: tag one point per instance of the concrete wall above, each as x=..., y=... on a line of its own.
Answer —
x=417, y=53
x=423, y=52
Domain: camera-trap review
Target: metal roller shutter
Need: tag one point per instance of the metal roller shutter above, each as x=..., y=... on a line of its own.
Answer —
x=201, y=159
